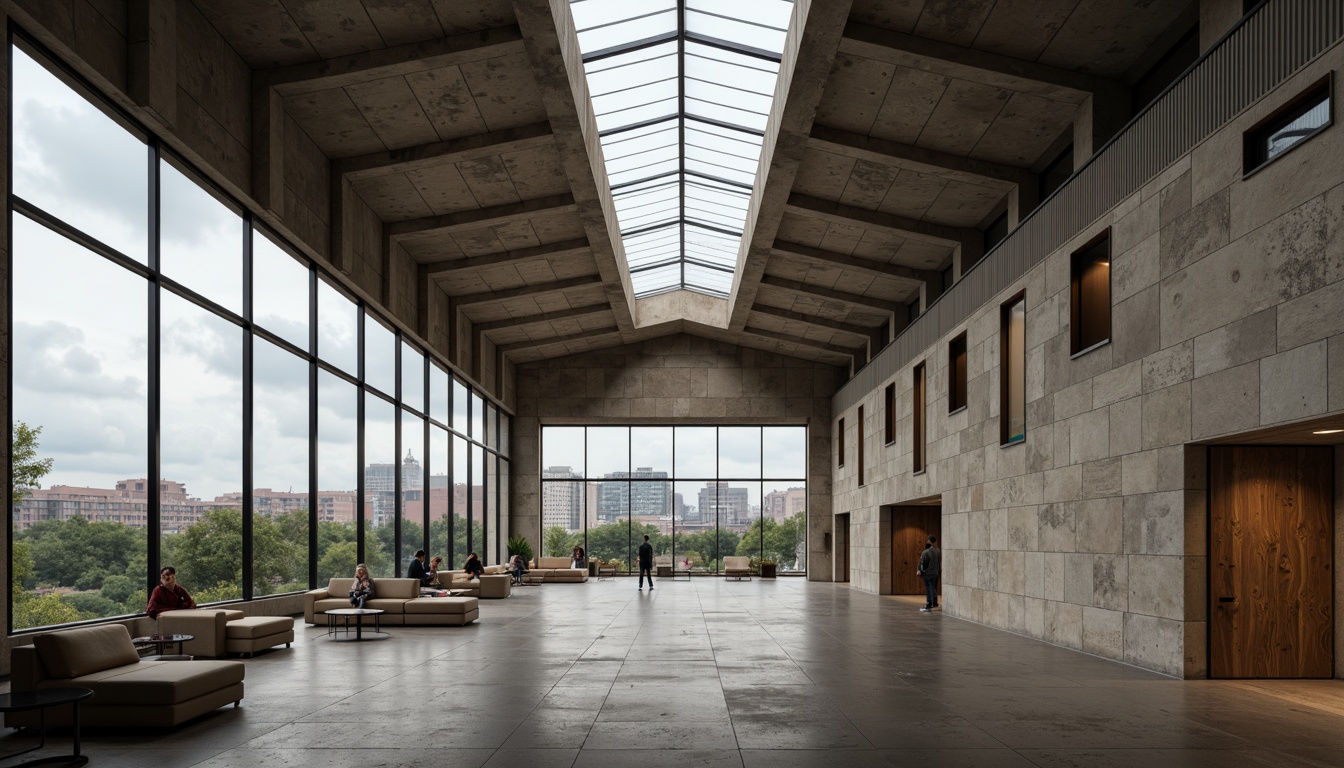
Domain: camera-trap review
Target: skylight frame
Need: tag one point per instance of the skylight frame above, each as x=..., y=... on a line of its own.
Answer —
x=726, y=70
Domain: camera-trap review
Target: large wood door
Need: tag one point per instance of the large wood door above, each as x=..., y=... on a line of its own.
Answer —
x=910, y=529
x=1270, y=562
x=842, y=547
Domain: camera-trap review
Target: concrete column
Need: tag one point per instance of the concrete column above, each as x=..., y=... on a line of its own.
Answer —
x=1099, y=118
x=151, y=70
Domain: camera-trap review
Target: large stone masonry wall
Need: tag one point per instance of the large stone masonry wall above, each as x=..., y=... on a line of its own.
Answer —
x=676, y=380
x=1227, y=296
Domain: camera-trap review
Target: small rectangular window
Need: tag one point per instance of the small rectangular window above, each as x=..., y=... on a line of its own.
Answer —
x=1301, y=118
x=917, y=422
x=994, y=234
x=1056, y=173
x=956, y=374
x=840, y=443
x=1013, y=371
x=1090, y=296
x=860, y=444
x=889, y=413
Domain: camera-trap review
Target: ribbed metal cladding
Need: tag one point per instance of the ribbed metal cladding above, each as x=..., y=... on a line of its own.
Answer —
x=1264, y=50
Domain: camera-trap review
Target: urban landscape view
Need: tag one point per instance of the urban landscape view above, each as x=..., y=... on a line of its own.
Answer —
x=698, y=493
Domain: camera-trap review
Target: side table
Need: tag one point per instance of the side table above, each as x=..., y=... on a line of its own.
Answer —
x=40, y=700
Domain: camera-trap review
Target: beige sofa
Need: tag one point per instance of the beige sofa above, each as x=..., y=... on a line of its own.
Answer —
x=220, y=631
x=549, y=570
x=494, y=584
x=399, y=600
x=737, y=567
x=126, y=690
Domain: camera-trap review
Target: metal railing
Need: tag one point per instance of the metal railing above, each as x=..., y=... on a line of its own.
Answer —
x=1274, y=40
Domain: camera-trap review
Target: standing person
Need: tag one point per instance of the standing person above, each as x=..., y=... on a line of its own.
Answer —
x=931, y=567
x=168, y=596
x=646, y=563
x=362, y=589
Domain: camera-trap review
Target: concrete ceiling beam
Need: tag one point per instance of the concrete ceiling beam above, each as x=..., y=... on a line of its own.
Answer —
x=580, y=336
x=830, y=294
x=801, y=342
x=476, y=147
x=899, y=226
x=562, y=250
x=858, y=264
x=895, y=154
x=481, y=218
x=906, y=50
x=486, y=297
x=398, y=60
x=820, y=322
x=544, y=317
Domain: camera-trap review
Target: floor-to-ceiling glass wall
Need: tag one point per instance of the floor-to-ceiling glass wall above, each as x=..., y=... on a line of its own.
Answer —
x=162, y=338
x=700, y=493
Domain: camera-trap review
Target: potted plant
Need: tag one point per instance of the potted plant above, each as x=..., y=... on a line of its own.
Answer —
x=767, y=569
x=519, y=545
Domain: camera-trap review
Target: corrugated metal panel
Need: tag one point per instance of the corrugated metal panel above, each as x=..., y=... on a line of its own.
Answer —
x=1253, y=59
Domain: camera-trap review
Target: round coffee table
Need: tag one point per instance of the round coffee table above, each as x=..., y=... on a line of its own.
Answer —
x=358, y=615
x=160, y=641
x=40, y=700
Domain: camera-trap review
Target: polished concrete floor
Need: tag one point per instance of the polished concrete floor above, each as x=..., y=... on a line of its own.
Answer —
x=712, y=673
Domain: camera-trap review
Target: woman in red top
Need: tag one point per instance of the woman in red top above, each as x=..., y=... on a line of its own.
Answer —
x=168, y=596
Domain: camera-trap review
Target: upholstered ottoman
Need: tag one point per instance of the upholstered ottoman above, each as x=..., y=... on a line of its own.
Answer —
x=442, y=610
x=208, y=625
x=257, y=633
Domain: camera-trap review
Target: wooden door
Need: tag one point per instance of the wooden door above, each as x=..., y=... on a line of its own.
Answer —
x=910, y=529
x=1270, y=562
x=842, y=547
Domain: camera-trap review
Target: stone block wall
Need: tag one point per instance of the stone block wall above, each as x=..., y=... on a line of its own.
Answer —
x=676, y=380
x=1226, y=317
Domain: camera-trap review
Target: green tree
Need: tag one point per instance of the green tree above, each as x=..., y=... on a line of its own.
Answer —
x=26, y=470
x=31, y=610
x=209, y=552
x=65, y=552
x=556, y=541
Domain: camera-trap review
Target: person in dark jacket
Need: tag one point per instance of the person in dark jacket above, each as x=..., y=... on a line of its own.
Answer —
x=473, y=566
x=646, y=563
x=931, y=567
x=169, y=595
x=418, y=570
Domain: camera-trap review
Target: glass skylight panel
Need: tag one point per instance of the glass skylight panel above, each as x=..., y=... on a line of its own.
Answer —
x=682, y=91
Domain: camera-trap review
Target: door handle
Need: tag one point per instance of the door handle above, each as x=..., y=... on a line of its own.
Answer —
x=1227, y=599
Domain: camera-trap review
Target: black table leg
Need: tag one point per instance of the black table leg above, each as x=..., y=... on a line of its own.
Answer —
x=359, y=627
x=76, y=719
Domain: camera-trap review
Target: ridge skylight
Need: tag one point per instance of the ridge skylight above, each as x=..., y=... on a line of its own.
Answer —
x=682, y=90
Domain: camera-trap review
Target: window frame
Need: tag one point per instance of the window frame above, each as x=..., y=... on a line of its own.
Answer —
x=840, y=443
x=1253, y=139
x=958, y=378
x=889, y=413
x=1078, y=298
x=860, y=445
x=1005, y=309
x=918, y=418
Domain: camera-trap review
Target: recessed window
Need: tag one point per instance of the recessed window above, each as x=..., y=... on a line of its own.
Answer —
x=889, y=413
x=917, y=422
x=994, y=234
x=1290, y=125
x=840, y=443
x=912, y=311
x=1056, y=173
x=860, y=443
x=1013, y=371
x=956, y=374
x=1090, y=297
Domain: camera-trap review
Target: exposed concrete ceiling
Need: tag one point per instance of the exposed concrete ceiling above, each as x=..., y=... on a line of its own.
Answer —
x=903, y=129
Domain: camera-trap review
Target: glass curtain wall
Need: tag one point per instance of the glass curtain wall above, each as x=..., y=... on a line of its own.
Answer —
x=158, y=346
x=700, y=493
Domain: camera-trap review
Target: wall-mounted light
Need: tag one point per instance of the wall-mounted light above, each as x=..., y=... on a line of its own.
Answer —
x=1327, y=431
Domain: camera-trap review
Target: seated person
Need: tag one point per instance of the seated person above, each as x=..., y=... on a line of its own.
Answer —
x=473, y=567
x=168, y=596
x=417, y=569
x=362, y=589
x=580, y=559
x=518, y=566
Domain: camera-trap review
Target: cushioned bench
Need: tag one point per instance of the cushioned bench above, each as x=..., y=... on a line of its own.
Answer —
x=219, y=631
x=548, y=570
x=126, y=690
x=399, y=599
x=494, y=584
x=257, y=633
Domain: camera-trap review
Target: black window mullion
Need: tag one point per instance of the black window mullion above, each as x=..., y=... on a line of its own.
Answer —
x=154, y=514
x=425, y=457
x=396, y=452
x=249, y=505
x=359, y=437
x=312, y=429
